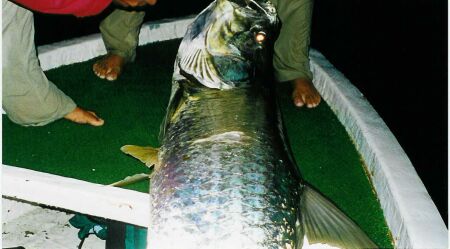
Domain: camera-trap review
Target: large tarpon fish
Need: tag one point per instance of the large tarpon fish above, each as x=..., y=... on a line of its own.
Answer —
x=224, y=178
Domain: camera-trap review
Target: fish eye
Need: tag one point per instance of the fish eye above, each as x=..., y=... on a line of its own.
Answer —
x=260, y=36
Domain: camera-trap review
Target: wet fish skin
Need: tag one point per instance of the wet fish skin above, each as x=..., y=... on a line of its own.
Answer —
x=224, y=181
x=225, y=178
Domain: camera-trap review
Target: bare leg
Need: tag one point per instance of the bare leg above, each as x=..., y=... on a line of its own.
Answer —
x=305, y=93
x=109, y=67
x=82, y=116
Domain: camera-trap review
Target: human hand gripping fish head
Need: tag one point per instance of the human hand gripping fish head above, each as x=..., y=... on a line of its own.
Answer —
x=224, y=177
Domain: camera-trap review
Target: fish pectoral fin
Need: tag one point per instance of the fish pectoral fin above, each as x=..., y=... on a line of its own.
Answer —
x=147, y=155
x=130, y=180
x=322, y=222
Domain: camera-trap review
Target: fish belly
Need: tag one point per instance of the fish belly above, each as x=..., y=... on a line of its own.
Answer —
x=222, y=182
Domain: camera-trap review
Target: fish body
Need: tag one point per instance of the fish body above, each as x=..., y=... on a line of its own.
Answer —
x=224, y=181
x=225, y=178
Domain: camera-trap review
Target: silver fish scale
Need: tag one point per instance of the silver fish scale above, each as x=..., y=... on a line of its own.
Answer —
x=220, y=184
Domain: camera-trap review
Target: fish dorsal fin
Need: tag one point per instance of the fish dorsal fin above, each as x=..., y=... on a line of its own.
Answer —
x=325, y=225
x=147, y=155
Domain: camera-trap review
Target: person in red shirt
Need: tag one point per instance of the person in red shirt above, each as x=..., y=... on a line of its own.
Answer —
x=80, y=8
x=29, y=98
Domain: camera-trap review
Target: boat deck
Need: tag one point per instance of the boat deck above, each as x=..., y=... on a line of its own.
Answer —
x=133, y=108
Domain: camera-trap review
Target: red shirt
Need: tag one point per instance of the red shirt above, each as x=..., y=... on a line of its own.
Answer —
x=73, y=7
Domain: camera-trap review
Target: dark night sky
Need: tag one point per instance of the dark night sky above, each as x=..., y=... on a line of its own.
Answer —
x=395, y=52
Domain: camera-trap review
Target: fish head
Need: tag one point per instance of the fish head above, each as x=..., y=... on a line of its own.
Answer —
x=228, y=41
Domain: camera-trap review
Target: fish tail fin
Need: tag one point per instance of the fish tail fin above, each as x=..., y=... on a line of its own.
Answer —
x=147, y=155
x=322, y=223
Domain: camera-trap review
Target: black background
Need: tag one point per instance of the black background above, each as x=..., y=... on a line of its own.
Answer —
x=395, y=52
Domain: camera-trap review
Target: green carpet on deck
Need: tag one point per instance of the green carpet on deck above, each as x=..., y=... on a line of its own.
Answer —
x=133, y=108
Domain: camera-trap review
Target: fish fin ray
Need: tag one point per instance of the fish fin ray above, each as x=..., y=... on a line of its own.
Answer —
x=322, y=222
x=197, y=62
x=147, y=155
x=176, y=96
x=130, y=180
